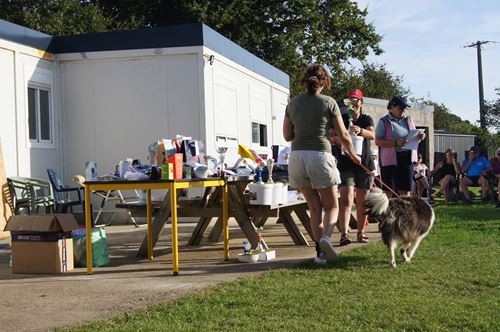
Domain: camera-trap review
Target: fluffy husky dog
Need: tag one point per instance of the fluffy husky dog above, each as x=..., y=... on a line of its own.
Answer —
x=402, y=220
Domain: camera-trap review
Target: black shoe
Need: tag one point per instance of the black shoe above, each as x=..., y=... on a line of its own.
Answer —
x=498, y=205
x=468, y=202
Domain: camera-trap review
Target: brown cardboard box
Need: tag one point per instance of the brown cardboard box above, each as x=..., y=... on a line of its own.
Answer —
x=42, y=243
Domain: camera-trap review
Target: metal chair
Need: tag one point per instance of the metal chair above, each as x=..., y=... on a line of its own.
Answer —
x=65, y=197
x=105, y=195
x=29, y=194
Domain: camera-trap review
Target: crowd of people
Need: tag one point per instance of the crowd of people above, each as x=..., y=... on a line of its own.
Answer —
x=332, y=176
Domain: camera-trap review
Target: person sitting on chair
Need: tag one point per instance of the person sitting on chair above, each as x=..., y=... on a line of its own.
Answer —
x=421, y=172
x=495, y=165
x=448, y=169
x=475, y=168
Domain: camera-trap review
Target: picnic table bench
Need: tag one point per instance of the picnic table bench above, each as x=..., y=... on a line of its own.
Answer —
x=249, y=217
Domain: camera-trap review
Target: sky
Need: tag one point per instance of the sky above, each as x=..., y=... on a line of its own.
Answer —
x=424, y=42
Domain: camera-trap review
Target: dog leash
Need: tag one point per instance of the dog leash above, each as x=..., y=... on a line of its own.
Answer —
x=379, y=179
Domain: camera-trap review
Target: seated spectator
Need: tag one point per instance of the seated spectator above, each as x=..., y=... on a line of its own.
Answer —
x=475, y=168
x=421, y=173
x=495, y=165
x=447, y=169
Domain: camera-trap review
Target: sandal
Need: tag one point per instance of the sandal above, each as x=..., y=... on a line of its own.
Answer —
x=362, y=238
x=344, y=240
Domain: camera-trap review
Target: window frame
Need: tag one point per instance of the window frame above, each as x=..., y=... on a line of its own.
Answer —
x=38, y=142
x=262, y=134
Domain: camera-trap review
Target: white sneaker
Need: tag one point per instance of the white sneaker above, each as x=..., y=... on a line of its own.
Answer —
x=321, y=259
x=327, y=247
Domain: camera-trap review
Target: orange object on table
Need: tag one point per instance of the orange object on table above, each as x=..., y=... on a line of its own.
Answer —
x=176, y=160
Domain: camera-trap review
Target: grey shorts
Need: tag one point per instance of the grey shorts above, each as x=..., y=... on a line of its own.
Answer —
x=356, y=178
x=313, y=169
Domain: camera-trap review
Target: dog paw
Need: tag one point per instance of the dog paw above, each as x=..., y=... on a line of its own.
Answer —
x=392, y=264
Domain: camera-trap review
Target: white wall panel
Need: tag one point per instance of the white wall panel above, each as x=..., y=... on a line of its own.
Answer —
x=119, y=107
x=8, y=112
x=280, y=100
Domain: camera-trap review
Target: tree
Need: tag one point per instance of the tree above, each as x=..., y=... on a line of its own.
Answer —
x=373, y=79
x=492, y=112
x=59, y=17
x=287, y=34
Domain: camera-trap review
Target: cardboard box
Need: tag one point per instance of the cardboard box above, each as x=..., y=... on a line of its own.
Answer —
x=176, y=160
x=42, y=243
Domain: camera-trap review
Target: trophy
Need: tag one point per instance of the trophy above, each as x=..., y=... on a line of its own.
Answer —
x=221, y=151
x=270, y=163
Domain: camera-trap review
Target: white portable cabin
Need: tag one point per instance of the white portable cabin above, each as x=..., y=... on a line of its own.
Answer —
x=114, y=93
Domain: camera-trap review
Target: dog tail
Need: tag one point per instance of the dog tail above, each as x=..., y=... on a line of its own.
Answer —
x=376, y=202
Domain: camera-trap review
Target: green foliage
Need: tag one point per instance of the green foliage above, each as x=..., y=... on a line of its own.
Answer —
x=492, y=112
x=445, y=120
x=55, y=17
x=287, y=34
x=375, y=80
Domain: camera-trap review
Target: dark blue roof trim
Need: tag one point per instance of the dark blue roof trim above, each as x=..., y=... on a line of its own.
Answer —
x=22, y=35
x=171, y=36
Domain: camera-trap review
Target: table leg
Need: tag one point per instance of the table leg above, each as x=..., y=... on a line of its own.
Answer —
x=225, y=217
x=158, y=223
x=242, y=218
x=150, y=226
x=301, y=212
x=175, y=240
x=88, y=230
x=292, y=229
x=203, y=222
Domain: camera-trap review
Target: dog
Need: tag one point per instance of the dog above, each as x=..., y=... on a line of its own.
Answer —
x=403, y=220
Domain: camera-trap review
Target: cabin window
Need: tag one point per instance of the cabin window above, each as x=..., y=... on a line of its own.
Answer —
x=39, y=116
x=259, y=134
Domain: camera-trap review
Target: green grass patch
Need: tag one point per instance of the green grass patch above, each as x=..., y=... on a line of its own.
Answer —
x=452, y=284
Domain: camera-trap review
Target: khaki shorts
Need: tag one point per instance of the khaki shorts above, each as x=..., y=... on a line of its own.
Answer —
x=313, y=169
x=356, y=178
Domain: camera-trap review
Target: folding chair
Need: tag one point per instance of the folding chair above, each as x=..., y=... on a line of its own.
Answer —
x=105, y=196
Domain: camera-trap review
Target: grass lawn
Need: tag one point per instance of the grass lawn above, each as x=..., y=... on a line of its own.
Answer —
x=452, y=284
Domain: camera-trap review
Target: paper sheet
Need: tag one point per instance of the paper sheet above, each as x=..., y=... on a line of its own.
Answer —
x=413, y=140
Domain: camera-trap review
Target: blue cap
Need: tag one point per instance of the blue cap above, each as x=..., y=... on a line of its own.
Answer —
x=399, y=101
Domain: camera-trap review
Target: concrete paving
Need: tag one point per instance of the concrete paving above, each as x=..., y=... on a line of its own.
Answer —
x=44, y=302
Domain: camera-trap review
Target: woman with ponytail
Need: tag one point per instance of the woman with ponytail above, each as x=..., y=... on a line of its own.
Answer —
x=311, y=166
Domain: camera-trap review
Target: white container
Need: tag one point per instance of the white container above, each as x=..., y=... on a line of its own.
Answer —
x=124, y=166
x=90, y=171
x=277, y=193
x=261, y=193
x=357, y=142
x=249, y=258
x=284, y=192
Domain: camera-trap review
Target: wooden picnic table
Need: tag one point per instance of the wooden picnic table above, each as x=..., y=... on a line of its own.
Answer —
x=249, y=217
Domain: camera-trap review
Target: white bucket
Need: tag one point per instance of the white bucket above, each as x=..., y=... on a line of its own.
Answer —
x=284, y=192
x=357, y=142
x=261, y=193
x=277, y=193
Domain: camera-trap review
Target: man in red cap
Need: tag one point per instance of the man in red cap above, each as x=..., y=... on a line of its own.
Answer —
x=353, y=176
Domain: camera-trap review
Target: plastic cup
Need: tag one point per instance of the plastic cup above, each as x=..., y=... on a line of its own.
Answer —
x=357, y=142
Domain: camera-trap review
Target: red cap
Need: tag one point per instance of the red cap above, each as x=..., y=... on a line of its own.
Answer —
x=356, y=93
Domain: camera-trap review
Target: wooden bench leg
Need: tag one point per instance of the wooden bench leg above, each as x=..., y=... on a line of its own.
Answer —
x=158, y=223
x=305, y=220
x=203, y=222
x=291, y=227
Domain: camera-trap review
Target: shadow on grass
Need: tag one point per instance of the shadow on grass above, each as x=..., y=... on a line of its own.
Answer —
x=343, y=262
